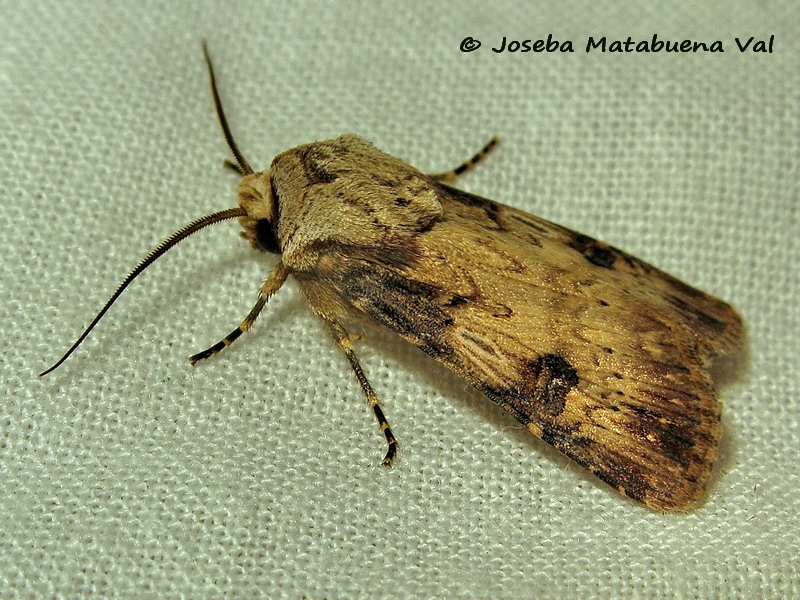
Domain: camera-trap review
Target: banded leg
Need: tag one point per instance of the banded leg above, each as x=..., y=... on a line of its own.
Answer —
x=448, y=176
x=270, y=286
x=343, y=339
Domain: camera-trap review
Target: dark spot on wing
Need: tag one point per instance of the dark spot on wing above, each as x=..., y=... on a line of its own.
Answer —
x=634, y=263
x=676, y=443
x=383, y=181
x=675, y=440
x=456, y=300
x=668, y=368
x=625, y=475
x=595, y=252
x=711, y=324
x=679, y=285
x=542, y=388
x=312, y=158
x=551, y=379
x=492, y=209
x=410, y=308
x=564, y=437
x=528, y=222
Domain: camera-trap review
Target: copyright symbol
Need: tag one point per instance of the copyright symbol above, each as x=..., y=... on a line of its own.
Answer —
x=469, y=44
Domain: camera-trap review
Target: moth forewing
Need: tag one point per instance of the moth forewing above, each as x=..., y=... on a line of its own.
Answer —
x=594, y=351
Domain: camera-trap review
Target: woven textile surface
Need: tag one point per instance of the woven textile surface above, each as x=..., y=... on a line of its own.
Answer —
x=128, y=473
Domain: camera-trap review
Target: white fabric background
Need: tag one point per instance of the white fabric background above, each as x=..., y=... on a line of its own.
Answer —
x=128, y=473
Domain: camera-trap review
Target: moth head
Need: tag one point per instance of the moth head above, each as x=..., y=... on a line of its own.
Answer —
x=258, y=198
x=256, y=210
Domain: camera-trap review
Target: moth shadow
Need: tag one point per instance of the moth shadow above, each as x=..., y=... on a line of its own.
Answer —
x=725, y=371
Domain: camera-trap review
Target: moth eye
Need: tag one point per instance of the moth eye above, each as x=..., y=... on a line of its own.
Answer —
x=265, y=237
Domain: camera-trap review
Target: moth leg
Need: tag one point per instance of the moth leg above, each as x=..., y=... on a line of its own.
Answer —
x=448, y=176
x=269, y=287
x=344, y=341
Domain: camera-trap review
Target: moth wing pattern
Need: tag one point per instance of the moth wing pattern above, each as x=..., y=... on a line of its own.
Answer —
x=596, y=352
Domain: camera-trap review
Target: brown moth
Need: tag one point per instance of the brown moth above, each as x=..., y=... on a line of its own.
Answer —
x=596, y=352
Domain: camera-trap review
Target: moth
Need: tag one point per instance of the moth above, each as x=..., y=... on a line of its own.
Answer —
x=596, y=352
